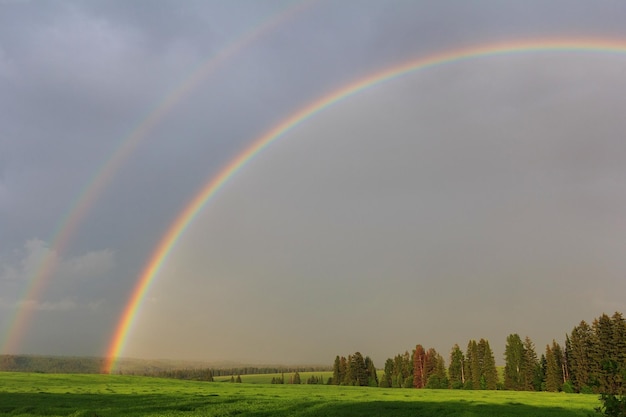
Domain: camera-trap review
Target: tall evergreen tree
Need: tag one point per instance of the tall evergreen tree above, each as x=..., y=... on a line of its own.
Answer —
x=489, y=372
x=553, y=370
x=343, y=370
x=559, y=356
x=474, y=365
x=514, y=356
x=430, y=363
x=372, y=375
x=530, y=366
x=361, y=375
x=386, y=380
x=419, y=362
x=580, y=350
x=337, y=376
x=437, y=378
x=350, y=376
x=609, y=354
x=456, y=372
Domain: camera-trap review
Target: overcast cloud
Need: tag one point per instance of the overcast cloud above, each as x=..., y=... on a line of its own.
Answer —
x=473, y=199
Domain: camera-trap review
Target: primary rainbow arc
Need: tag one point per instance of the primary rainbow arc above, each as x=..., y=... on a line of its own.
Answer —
x=191, y=210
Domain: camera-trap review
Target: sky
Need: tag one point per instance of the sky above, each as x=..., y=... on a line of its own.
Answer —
x=473, y=199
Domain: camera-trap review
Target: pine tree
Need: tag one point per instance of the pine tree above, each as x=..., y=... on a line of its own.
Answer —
x=372, y=375
x=438, y=378
x=553, y=371
x=296, y=378
x=513, y=355
x=473, y=360
x=455, y=370
x=489, y=372
x=361, y=375
x=337, y=376
x=419, y=359
x=385, y=381
x=343, y=370
x=580, y=349
x=430, y=363
x=530, y=362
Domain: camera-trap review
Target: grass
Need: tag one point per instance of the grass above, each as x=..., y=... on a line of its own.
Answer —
x=27, y=395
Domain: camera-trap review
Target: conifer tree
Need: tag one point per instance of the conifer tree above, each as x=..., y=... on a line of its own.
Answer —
x=343, y=370
x=437, y=378
x=514, y=356
x=455, y=370
x=489, y=373
x=385, y=381
x=579, y=351
x=337, y=375
x=553, y=371
x=372, y=375
x=474, y=366
x=296, y=378
x=360, y=371
x=430, y=363
x=530, y=362
x=419, y=359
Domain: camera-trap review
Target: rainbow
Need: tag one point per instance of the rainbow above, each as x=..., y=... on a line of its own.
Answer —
x=210, y=189
x=89, y=194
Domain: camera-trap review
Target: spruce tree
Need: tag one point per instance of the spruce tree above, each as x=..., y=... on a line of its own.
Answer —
x=296, y=378
x=361, y=374
x=489, y=372
x=455, y=370
x=430, y=363
x=580, y=349
x=514, y=356
x=387, y=374
x=553, y=372
x=343, y=370
x=473, y=359
x=372, y=375
x=419, y=359
x=529, y=373
x=337, y=376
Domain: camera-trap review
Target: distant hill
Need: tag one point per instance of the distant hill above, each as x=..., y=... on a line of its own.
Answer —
x=131, y=366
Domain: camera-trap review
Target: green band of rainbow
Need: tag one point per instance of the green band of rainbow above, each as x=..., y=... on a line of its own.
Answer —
x=187, y=215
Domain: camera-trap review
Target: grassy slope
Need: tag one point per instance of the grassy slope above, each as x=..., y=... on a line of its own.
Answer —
x=113, y=395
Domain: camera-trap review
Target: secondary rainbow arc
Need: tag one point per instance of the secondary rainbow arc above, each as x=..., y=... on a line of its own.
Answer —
x=89, y=194
x=190, y=211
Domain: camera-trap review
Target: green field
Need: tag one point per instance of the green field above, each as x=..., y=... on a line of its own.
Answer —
x=23, y=394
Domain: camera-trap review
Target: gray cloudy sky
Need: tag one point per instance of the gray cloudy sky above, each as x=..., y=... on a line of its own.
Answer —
x=475, y=199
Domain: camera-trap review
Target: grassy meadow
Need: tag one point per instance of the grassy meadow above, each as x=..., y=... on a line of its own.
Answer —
x=27, y=394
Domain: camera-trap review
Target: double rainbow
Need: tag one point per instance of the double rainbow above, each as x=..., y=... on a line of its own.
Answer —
x=209, y=190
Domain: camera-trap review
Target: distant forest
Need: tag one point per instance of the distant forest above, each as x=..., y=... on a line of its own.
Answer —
x=157, y=368
x=592, y=360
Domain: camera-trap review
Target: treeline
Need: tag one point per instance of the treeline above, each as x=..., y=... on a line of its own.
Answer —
x=474, y=369
x=592, y=360
x=51, y=364
x=296, y=379
x=267, y=370
x=187, y=374
x=208, y=374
